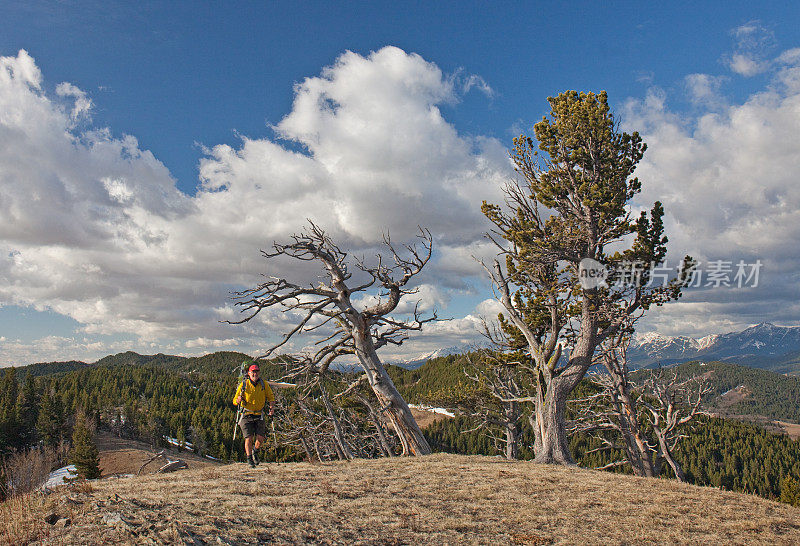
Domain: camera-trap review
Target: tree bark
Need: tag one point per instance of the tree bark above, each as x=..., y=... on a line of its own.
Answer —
x=553, y=444
x=667, y=454
x=554, y=447
x=397, y=411
x=304, y=443
x=512, y=441
x=341, y=445
x=391, y=402
x=374, y=417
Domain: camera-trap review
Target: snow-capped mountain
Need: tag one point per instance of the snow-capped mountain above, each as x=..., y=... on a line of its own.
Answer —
x=763, y=345
x=762, y=340
x=652, y=345
x=415, y=362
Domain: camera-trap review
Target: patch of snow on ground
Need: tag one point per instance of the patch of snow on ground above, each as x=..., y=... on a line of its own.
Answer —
x=59, y=477
x=176, y=443
x=441, y=411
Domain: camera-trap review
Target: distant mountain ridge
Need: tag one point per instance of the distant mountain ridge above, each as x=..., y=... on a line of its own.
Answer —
x=415, y=362
x=764, y=345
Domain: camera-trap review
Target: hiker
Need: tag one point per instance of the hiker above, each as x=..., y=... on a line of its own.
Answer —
x=252, y=394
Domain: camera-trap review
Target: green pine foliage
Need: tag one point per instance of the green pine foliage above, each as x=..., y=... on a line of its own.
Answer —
x=738, y=456
x=10, y=425
x=84, y=454
x=181, y=398
x=133, y=396
x=790, y=491
x=423, y=385
x=50, y=419
x=51, y=368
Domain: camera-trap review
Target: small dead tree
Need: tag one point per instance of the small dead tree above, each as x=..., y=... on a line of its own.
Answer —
x=497, y=395
x=644, y=421
x=331, y=415
x=356, y=331
x=503, y=392
x=337, y=429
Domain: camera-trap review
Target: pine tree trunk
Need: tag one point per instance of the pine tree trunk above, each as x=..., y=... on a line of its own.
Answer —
x=551, y=419
x=554, y=448
x=512, y=441
x=638, y=453
x=391, y=402
x=512, y=430
x=306, y=448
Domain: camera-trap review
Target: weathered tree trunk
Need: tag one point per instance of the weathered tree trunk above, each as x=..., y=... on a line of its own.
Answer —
x=341, y=446
x=639, y=455
x=391, y=402
x=667, y=454
x=304, y=443
x=373, y=415
x=512, y=441
x=315, y=442
x=552, y=440
x=512, y=430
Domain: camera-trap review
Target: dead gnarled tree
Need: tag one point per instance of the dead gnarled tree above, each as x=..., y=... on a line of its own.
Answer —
x=643, y=419
x=356, y=330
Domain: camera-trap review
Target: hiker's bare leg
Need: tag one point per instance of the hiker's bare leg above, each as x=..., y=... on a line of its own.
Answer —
x=259, y=440
x=248, y=445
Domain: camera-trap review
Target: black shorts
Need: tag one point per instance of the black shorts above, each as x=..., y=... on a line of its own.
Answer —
x=252, y=425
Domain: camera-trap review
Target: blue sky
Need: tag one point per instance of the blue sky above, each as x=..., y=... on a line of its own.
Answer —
x=186, y=138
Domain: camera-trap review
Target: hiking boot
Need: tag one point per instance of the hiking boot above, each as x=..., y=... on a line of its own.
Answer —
x=251, y=461
x=254, y=458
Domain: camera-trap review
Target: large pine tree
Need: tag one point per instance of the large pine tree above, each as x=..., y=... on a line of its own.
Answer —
x=562, y=219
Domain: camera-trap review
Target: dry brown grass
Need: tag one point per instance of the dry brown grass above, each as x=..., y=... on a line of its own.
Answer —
x=792, y=429
x=124, y=456
x=439, y=499
x=22, y=518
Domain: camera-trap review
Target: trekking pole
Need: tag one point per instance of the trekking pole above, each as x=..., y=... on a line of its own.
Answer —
x=239, y=407
x=274, y=436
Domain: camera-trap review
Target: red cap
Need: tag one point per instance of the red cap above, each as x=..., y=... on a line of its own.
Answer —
x=253, y=367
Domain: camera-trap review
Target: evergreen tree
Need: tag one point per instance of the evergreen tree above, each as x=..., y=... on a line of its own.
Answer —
x=84, y=454
x=564, y=216
x=28, y=410
x=50, y=419
x=790, y=491
x=9, y=418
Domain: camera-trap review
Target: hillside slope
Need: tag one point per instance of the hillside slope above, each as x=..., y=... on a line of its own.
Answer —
x=432, y=500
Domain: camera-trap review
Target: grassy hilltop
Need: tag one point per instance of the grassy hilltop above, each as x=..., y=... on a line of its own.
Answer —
x=438, y=499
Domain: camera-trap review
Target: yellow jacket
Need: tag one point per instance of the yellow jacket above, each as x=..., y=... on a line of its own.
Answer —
x=255, y=395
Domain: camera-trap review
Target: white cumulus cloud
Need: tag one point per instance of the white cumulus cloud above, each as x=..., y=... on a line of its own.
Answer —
x=93, y=227
x=728, y=181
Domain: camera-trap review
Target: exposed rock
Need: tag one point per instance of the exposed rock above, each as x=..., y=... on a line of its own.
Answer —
x=114, y=519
